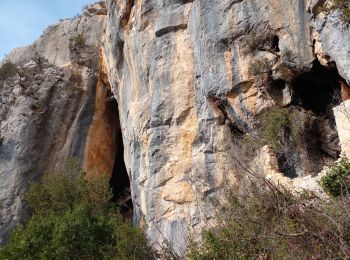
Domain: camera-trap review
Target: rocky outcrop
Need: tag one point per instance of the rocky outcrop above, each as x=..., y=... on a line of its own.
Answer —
x=191, y=77
x=47, y=108
x=192, y=80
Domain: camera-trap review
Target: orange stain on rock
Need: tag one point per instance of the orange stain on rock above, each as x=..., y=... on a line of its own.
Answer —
x=100, y=147
x=344, y=90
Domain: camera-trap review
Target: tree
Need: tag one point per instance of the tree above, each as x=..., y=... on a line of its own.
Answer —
x=73, y=218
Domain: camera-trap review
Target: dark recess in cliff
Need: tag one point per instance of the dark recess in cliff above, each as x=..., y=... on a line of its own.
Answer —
x=317, y=90
x=119, y=182
x=314, y=94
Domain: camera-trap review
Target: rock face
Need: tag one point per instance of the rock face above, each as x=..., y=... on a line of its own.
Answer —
x=192, y=79
x=47, y=106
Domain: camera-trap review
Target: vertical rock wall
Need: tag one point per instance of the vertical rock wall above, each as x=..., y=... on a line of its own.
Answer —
x=47, y=107
x=191, y=79
x=188, y=73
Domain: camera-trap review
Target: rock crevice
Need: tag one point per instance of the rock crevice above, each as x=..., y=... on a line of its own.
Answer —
x=164, y=93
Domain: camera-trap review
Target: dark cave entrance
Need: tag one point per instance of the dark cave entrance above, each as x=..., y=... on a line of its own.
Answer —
x=274, y=43
x=317, y=90
x=120, y=182
x=313, y=95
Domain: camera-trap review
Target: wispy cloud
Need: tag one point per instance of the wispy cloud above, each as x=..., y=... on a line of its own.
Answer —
x=22, y=21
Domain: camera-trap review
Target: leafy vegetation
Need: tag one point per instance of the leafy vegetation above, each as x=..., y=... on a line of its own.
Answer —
x=7, y=70
x=276, y=122
x=38, y=59
x=73, y=218
x=259, y=39
x=259, y=66
x=342, y=5
x=77, y=43
x=336, y=182
x=4, y=112
x=271, y=223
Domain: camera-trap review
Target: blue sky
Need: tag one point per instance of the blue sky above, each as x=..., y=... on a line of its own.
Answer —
x=23, y=21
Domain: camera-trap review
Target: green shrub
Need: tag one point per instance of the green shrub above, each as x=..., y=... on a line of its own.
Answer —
x=259, y=67
x=276, y=122
x=38, y=60
x=72, y=218
x=77, y=43
x=336, y=182
x=4, y=112
x=275, y=224
x=7, y=70
x=273, y=126
x=258, y=39
x=342, y=5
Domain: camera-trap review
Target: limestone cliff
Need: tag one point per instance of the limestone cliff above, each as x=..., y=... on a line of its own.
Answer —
x=47, y=107
x=191, y=80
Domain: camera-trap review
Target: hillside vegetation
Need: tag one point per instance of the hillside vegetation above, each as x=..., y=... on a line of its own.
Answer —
x=73, y=218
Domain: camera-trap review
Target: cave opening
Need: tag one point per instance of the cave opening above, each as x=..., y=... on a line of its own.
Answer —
x=313, y=96
x=274, y=43
x=120, y=182
x=317, y=90
x=276, y=90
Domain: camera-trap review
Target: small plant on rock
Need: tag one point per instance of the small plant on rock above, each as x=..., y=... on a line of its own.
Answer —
x=263, y=40
x=4, y=113
x=342, y=5
x=259, y=66
x=77, y=43
x=336, y=182
x=38, y=59
x=276, y=122
x=7, y=70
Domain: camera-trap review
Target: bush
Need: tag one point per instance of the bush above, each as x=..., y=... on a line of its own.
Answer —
x=342, y=5
x=259, y=67
x=276, y=122
x=39, y=60
x=72, y=218
x=4, y=112
x=77, y=43
x=7, y=70
x=336, y=182
x=260, y=39
x=271, y=223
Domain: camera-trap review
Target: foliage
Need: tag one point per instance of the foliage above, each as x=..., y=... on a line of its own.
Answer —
x=336, y=182
x=342, y=5
x=4, y=112
x=38, y=59
x=72, y=218
x=259, y=39
x=77, y=43
x=7, y=70
x=259, y=66
x=271, y=223
x=276, y=122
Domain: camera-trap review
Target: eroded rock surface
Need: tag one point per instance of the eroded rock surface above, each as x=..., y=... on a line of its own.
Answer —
x=192, y=79
x=192, y=76
x=47, y=107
